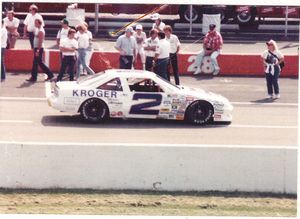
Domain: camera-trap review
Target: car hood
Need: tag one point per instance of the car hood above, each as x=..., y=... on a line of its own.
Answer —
x=203, y=94
x=67, y=84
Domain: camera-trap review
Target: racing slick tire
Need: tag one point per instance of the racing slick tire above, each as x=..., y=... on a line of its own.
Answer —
x=184, y=14
x=246, y=18
x=94, y=110
x=199, y=113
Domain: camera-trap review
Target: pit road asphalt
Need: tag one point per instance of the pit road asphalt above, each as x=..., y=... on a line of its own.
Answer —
x=26, y=117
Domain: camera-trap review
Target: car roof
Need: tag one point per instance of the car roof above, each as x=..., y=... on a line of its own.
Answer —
x=129, y=73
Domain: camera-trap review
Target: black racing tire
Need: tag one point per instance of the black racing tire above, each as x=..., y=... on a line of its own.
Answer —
x=246, y=18
x=184, y=14
x=94, y=110
x=199, y=113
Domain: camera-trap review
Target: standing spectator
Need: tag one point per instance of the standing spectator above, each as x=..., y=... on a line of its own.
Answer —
x=158, y=24
x=38, y=45
x=83, y=44
x=212, y=44
x=174, y=49
x=29, y=23
x=140, y=37
x=3, y=48
x=162, y=56
x=150, y=46
x=62, y=34
x=63, y=31
x=127, y=47
x=272, y=59
x=68, y=47
x=89, y=51
x=12, y=23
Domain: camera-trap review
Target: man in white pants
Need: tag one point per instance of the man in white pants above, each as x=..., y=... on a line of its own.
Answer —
x=140, y=37
x=212, y=45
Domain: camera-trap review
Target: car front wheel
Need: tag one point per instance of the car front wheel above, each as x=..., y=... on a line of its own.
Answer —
x=94, y=110
x=199, y=113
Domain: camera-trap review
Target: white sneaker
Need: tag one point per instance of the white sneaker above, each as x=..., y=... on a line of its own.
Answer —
x=277, y=96
x=198, y=71
x=270, y=96
x=217, y=70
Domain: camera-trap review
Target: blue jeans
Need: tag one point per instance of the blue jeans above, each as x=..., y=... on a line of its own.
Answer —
x=3, y=69
x=126, y=62
x=213, y=57
x=68, y=62
x=82, y=61
x=272, y=81
x=161, y=68
x=38, y=61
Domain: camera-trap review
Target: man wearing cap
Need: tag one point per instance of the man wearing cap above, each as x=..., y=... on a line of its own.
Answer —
x=140, y=37
x=12, y=23
x=158, y=24
x=212, y=45
x=127, y=47
x=63, y=32
x=29, y=26
x=162, y=56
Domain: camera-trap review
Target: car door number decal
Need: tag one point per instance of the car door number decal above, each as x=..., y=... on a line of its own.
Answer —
x=141, y=108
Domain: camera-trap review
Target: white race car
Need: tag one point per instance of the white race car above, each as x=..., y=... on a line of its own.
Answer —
x=137, y=94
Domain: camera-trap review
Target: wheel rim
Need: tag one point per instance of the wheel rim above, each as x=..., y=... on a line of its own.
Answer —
x=200, y=113
x=244, y=17
x=187, y=15
x=94, y=111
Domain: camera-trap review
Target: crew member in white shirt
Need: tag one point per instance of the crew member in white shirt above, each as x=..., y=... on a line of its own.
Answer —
x=68, y=48
x=158, y=24
x=83, y=45
x=29, y=23
x=174, y=49
x=63, y=31
x=38, y=49
x=12, y=23
x=89, y=51
x=127, y=46
x=162, y=56
x=140, y=37
x=150, y=46
x=3, y=49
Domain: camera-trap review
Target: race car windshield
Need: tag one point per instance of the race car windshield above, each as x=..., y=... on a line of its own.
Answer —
x=89, y=77
x=168, y=82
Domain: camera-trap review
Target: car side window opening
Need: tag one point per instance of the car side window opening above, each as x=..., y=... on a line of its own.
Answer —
x=143, y=85
x=114, y=84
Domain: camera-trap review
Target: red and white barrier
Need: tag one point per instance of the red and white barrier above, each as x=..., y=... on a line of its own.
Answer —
x=231, y=64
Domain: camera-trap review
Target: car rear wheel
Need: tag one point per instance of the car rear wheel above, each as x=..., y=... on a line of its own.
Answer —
x=94, y=110
x=199, y=113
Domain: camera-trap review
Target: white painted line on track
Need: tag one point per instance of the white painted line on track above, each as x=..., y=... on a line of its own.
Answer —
x=48, y=87
x=93, y=144
x=264, y=104
x=23, y=98
x=16, y=121
x=263, y=126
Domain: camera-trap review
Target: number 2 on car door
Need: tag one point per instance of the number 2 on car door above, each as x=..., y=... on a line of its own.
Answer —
x=141, y=108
